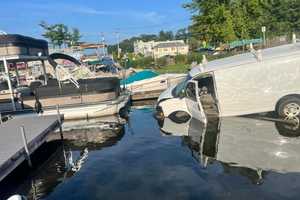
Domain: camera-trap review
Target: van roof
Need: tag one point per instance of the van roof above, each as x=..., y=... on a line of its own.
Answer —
x=246, y=58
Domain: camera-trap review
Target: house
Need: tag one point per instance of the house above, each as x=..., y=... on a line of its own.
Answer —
x=170, y=49
x=144, y=48
x=161, y=48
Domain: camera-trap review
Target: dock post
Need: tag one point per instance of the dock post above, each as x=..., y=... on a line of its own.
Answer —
x=168, y=83
x=59, y=121
x=26, y=146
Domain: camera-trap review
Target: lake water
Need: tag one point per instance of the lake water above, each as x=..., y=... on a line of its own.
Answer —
x=234, y=158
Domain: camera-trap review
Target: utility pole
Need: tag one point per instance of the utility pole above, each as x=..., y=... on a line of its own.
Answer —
x=263, y=30
x=103, y=44
x=187, y=36
x=118, y=43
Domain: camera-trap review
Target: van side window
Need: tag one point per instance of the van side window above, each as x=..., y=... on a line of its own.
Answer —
x=191, y=92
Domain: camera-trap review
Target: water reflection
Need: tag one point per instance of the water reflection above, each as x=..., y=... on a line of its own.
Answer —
x=67, y=157
x=254, y=146
x=224, y=160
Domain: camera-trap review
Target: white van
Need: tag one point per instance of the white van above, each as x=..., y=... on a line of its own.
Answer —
x=255, y=82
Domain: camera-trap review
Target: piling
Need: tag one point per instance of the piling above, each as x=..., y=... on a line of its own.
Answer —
x=59, y=121
x=168, y=83
x=26, y=146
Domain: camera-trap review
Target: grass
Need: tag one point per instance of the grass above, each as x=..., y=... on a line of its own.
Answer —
x=174, y=68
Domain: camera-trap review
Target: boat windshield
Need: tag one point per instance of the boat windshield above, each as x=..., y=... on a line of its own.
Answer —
x=181, y=86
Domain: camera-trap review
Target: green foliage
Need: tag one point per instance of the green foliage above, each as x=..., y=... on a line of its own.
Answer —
x=143, y=62
x=181, y=59
x=164, y=36
x=182, y=34
x=194, y=57
x=161, y=62
x=59, y=34
x=175, y=68
x=74, y=36
x=223, y=21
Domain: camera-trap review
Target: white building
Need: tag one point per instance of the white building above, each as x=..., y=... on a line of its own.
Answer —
x=170, y=49
x=161, y=48
x=144, y=48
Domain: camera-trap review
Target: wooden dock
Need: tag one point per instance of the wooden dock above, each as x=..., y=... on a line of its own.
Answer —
x=12, y=150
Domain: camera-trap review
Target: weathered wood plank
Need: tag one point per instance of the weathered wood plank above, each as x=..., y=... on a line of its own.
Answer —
x=11, y=144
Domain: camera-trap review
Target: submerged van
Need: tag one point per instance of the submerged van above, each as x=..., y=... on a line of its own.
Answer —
x=255, y=82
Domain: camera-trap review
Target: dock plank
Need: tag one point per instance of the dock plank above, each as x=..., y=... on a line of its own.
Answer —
x=11, y=143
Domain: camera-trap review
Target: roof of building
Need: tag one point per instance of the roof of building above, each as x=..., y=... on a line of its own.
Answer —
x=247, y=58
x=170, y=44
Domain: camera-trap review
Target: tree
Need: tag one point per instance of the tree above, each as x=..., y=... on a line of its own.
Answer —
x=148, y=37
x=49, y=32
x=284, y=16
x=163, y=36
x=212, y=21
x=59, y=35
x=181, y=34
x=74, y=37
x=221, y=21
x=240, y=23
x=62, y=35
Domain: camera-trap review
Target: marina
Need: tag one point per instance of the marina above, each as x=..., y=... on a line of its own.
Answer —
x=166, y=100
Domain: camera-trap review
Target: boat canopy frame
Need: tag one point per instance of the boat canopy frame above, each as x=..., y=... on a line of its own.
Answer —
x=20, y=58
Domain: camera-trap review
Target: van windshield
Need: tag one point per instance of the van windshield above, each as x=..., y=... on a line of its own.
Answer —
x=180, y=87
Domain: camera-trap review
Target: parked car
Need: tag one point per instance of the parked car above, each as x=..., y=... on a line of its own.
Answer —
x=254, y=82
x=208, y=51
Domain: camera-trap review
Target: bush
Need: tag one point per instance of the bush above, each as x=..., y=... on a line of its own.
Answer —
x=194, y=57
x=181, y=59
x=161, y=62
x=145, y=62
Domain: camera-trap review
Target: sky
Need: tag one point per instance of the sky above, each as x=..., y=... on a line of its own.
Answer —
x=93, y=17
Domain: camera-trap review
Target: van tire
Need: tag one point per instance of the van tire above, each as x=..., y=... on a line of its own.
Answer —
x=179, y=117
x=289, y=107
x=288, y=130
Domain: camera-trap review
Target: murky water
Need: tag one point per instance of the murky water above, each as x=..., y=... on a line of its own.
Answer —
x=232, y=158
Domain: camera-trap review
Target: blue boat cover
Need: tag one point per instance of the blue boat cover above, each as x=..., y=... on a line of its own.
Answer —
x=143, y=75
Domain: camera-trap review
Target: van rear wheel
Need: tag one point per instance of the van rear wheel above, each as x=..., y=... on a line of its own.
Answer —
x=289, y=107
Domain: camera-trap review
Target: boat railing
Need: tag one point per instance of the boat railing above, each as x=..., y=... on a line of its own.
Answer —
x=64, y=74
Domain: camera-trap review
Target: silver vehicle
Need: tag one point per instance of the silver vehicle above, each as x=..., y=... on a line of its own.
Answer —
x=255, y=82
